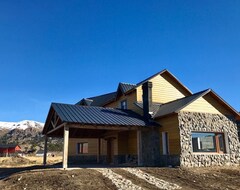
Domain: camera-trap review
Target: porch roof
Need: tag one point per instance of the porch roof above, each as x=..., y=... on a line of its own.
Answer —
x=90, y=115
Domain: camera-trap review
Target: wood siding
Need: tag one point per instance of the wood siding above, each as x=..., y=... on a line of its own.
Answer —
x=206, y=104
x=131, y=99
x=164, y=90
x=170, y=125
x=92, y=146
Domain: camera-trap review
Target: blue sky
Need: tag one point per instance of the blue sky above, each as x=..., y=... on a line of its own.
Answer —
x=62, y=51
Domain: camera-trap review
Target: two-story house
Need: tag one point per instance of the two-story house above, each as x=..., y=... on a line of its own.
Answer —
x=156, y=122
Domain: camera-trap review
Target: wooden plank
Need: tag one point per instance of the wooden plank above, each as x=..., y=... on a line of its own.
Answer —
x=65, y=147
x=99, y=150
x=139, y=147
x=106, y=127
x=56, y=128
x=45, y=151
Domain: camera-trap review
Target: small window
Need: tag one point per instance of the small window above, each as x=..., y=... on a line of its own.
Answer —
x=124, y=104
x=208, y=142
x=82, y=148
x=165, y=143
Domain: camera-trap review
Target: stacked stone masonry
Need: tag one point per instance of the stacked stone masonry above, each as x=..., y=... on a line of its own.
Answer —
x=204, y=122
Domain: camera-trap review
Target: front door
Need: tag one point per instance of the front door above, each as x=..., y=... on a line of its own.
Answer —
x=110, y=150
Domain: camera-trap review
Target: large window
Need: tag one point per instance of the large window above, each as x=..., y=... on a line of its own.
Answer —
x=208, y=142
x=82, y=148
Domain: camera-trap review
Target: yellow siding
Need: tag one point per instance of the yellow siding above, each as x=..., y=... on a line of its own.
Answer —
x=131, y=99
x=123, y=143
x=170, y=125
x=204, y=106
x=92, y=146
x=132, y=142
x=164, y=90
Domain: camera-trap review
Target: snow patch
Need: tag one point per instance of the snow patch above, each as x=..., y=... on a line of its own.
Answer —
x=21, y=125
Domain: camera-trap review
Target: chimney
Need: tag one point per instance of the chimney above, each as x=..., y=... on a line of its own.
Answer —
x=147, y=99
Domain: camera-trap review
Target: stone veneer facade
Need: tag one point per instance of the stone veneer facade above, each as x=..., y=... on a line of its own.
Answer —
x=205, y=122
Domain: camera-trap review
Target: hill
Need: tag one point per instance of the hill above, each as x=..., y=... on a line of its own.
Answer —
x=28, y=135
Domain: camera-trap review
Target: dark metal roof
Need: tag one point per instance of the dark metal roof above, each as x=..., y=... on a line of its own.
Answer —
x=126, y=86
x=154, y=109
x=99, y=116
x=99, y=100
x=177, y=105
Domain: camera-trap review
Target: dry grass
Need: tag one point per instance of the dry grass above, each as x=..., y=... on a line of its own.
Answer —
x=27, y=161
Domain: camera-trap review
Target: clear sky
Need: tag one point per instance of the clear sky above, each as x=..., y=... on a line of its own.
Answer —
x=62, y=51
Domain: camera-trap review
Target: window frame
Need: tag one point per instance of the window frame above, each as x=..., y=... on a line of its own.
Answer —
x=121, y=103
x=216, y=143
x=80, y=150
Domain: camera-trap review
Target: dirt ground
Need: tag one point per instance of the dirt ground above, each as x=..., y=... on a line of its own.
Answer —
x=23, y=173
x=52, y=179
x=200, y=178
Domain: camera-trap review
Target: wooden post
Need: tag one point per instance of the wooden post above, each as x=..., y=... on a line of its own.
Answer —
x=65, y=147
x=139, y=147
x=99, y=150
x=45, y=151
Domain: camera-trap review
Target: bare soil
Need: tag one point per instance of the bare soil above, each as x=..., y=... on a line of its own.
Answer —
x=52, y=179
x=200, y=178
x=23, y=173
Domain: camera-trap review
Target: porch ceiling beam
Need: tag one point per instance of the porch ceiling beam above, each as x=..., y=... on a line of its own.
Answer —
x=105, y=127
x=56, y=128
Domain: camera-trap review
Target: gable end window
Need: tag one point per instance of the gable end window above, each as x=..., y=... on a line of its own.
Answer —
x=82, y=148
x=208, y=142
x=123, y=104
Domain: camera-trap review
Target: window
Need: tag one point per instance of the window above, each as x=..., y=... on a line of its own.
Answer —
x=124, y=104
x=208, y=142
x=82, y=148
x=165, y=143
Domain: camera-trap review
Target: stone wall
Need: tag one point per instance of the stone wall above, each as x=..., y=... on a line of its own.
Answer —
x=190, y=121
x=150, y=147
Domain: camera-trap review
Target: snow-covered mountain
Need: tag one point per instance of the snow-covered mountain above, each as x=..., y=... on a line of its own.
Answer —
x=22, y=125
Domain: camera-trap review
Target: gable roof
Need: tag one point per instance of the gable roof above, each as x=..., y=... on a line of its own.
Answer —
x=126, y=88
x=165, y=71
x=177, y=105
x=98, y=100
x=91, y=115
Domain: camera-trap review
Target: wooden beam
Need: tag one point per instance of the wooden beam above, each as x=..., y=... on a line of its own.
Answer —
x=106, y=127
x=65, y=147
x=56, y=128
x=99, y=150
x=139, y=147
x=45, y=151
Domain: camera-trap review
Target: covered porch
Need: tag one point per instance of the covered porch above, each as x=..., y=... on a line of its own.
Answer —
x=115, y=135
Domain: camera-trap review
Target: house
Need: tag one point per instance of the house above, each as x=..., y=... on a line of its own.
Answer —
x=9, y=149
x=156, y=122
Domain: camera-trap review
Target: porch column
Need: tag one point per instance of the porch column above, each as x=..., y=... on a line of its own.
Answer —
x=99, y=150
x=65, y=147
x=139, y=146
x=45, y=151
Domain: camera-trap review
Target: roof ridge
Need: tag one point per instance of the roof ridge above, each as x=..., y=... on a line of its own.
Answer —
x=127, y=83
x=102, y=95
